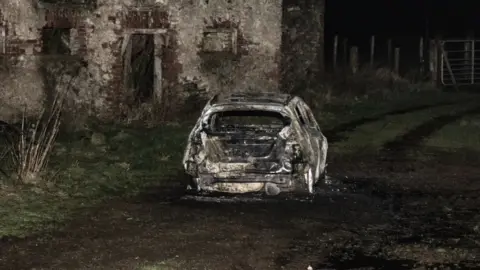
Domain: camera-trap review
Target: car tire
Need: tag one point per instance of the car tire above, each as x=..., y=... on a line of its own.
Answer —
x=188, y=184
x=303, y=187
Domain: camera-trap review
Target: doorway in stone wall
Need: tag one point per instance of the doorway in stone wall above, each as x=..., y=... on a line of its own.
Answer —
x=143, y=54
x=139, y=74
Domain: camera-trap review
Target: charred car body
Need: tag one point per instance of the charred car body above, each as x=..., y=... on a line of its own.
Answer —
x=247, y=142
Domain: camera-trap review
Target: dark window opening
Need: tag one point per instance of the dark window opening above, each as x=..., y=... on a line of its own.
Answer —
x=305, y=116
x=56, y=41
x=141, y=71
x=220, y=40
x=248, y=121
x=300, y=116
x=311, y=120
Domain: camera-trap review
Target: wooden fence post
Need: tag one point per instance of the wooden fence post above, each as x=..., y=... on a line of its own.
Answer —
x=354, y=59
x=389, y=54
x=345, y=53
x=335, y=52
x=432, y=65
x=467, y=47
x=372, y=51
x=469, y=62
x=397, y=61
x=422, y=57
x=440, y=56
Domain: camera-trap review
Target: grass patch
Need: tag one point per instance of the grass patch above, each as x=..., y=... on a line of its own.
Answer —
x=130, y=160
x=30, y=208
x=84, y=174
x=372, y=136
x=460, y=135
x=339, y=112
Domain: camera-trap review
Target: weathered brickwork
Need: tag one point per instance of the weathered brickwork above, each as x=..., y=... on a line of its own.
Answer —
x=243, y=45
x=146, y=18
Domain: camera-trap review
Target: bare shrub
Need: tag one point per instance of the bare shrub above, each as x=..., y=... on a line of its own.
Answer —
x=32, y=147
x=8, y=135
x=31, y=152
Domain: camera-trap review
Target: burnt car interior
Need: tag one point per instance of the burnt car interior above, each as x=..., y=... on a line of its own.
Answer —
x=244, y=133
x=247, y=122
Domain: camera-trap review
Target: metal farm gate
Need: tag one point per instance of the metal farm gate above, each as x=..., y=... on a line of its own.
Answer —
x=460, y=62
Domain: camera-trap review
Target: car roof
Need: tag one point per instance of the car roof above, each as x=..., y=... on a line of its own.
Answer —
x=272, y=98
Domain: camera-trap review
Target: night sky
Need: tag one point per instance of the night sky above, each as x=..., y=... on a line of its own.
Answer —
x=401, y=17
x=403, y=20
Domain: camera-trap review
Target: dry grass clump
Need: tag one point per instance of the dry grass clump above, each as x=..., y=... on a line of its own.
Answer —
x=32, y=149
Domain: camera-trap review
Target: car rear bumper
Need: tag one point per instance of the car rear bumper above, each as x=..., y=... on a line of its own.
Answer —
x=276, y=178
x=242, y=183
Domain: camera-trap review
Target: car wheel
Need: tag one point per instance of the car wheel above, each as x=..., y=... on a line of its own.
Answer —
x=188, y=184
x=305, y=182
x=322, y=182
x=320, y=175
x=310, y=179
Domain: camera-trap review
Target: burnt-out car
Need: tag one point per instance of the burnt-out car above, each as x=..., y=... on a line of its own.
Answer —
x=256, y=142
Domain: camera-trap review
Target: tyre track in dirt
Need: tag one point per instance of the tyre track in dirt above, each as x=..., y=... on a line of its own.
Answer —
x=397, y=149
x=340, y=132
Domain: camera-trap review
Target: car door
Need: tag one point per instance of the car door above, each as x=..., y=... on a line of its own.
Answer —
x=309, y=144
x=316, y=138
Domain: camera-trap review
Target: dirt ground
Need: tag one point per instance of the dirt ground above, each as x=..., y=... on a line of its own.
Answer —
x=405, y=215
x=384, y=210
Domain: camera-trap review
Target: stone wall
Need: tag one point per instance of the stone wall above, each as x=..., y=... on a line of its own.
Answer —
x=21, y=89
x=302, y=44
x=256, y=63
x=97, y=42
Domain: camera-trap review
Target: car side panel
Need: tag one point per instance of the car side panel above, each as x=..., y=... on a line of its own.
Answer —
x=318, y=141
x=307, y=145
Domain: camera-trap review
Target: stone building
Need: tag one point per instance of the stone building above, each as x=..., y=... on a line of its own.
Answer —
x=116, y=53
x=302, y=44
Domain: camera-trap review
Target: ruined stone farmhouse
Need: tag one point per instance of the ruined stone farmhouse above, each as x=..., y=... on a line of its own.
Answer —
x=132, y=51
